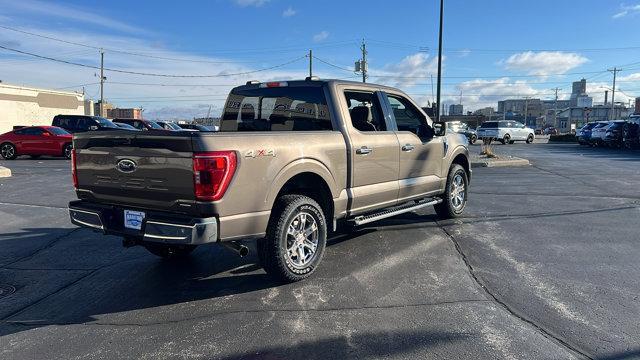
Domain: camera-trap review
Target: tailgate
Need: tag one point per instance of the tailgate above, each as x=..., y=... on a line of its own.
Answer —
x=150, y=169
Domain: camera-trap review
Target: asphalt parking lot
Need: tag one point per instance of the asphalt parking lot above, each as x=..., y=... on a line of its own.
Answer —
x=544, y=265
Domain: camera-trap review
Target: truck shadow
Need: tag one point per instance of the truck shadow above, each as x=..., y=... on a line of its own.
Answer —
x=110, y=282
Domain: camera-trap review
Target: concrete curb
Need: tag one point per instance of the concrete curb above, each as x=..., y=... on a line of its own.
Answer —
x=514, y=161
x=4, y=172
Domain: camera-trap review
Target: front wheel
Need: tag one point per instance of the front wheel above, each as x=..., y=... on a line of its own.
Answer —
x=454, y=199
x=506, y=139
x=530, y=139
x=8, y=151
x=473, y=139
x=296, y=238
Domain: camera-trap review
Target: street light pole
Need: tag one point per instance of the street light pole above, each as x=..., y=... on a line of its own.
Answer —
x=439, y=61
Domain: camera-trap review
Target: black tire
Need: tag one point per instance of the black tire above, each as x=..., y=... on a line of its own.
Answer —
x=273, y=250
x=506, y=139
x=447, y=209
x=166, y=251
x=473, y=139
x=530, y=139
x=8, y=151
x=66, y=150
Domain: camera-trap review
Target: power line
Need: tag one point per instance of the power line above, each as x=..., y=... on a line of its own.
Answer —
x=332, y=65
x=149, y=74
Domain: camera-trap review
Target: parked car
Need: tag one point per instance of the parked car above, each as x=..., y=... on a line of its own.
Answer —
x=631, y=135
x=318, y=153
x=506, y=131
x=597, y=133
x=197, y=127
x=140, y=124
x=464, y=129
x=82, y=123
x=613, y=134
x=36, y=141
x=584, y=134
x=168, y=125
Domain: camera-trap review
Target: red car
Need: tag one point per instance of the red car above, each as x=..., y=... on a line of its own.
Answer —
x=36, y=141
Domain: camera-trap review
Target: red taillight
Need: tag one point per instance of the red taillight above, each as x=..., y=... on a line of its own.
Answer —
x=212, y=173
x=274, y=84
x=74, y=171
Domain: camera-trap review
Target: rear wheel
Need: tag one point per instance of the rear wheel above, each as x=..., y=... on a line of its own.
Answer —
x=66, y=150
x=473, y=139
x=296, y=238
x=530, y=139
x=166, y=251
x=506, y=139
x=454, y=199
x=8, y=151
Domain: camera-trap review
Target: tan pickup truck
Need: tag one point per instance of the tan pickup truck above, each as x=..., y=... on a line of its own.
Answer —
x=292, y=161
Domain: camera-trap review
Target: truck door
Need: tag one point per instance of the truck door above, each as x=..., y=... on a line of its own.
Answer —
x=373, y=153
x=421, y=152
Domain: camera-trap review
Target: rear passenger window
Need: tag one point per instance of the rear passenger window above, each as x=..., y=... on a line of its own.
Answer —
x=365, y=111
x=276, y=109
x=65, y=122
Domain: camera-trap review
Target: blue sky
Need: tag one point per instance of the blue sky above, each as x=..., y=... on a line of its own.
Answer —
x=494, y=49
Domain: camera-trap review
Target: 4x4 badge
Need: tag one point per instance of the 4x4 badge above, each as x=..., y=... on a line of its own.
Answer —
x=260, y=153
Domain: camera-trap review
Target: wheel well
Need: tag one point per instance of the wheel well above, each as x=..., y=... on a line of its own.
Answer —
x=313, y=186
x=462, y=161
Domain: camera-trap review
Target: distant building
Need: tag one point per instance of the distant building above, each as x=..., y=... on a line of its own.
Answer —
x=456, y=109
x=21, y=105
x=637, y=106
x=533, y=107
x=579, y=97
x=107, y=106
x=472, y=120
x=582, y=115
x=553, y=104
x=487, y=111
x=131, y=113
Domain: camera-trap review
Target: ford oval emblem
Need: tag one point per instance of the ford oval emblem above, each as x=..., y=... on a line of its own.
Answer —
x=126, y=166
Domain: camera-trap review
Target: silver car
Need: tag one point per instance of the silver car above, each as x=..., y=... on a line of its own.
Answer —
x=506, y=131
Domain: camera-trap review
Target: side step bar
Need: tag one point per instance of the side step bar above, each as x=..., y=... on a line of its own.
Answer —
x=393, y=211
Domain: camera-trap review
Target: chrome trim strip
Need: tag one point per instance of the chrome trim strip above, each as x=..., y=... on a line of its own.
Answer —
x=165, y=237
x=101, y=226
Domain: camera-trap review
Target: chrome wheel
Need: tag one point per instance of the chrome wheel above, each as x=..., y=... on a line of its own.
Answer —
x=458, y=192
x=302, y=240
x=8, y=151
x=67, y=151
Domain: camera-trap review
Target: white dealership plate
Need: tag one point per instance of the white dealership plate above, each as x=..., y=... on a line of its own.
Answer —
x=133, y=219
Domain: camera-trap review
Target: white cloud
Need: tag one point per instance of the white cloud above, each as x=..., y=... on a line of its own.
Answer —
x=631, y=77
x=256, y=3
x=596, y=91
x=409, y=71
x=289, y=12
x=544, y=63
x=627, y=10
x=168, y=101
x=321, y=36
x=481, y=93
x=50, y=9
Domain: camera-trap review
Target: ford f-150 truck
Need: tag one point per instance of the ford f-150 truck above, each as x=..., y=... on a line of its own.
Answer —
x=292, y=161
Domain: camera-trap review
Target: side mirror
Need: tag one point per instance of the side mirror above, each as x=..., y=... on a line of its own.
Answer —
x=439, y=128
x=46, y=134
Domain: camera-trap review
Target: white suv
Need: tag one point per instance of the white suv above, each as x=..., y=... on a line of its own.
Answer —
x=506, y=131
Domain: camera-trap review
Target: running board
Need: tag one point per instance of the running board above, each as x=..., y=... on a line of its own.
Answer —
x=396, y=210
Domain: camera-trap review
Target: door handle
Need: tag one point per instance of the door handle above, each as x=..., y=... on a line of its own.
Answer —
x=408, y=147
x=364, y=150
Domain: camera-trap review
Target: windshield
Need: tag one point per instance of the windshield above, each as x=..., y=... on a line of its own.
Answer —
x=105, y=122
x=154, y=125
x=173, y=126
x=489, y=124
x=58, y=131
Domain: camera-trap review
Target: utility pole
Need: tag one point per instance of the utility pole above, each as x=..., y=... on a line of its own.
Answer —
x=101, y=82
x=363, y=64
x=310, y=63
x=526, y=108
x=439, y=59
x=613, y=93
x=555, y=109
